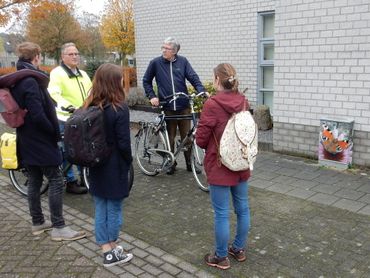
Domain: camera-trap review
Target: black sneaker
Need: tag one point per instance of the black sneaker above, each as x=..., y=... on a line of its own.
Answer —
x=74, y=188
x=116, y=256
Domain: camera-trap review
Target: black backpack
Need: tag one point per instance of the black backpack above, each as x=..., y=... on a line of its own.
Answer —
x=85, y=139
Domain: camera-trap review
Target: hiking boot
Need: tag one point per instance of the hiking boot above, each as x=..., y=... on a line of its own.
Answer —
x=66, y=233
x=213, y=260
x=74, y=188
x=39, y=229
x=239, y=255
x=116, y=256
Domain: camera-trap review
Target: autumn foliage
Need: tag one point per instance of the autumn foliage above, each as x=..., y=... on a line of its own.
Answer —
x=10, y=8
x=117, y=27
x=51, y=24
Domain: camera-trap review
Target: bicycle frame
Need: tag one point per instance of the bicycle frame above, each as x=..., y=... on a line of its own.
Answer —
x=161, y=126
x=152, y=148
x=189, y=136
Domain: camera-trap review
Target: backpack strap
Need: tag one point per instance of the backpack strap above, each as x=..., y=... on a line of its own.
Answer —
x=218, y=150
x=10, y=79
x=214, y=135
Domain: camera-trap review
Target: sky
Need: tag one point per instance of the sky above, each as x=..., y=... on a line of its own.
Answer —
x=91, y=6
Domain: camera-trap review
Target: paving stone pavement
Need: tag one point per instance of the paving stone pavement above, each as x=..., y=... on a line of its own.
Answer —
x=306, y=221
x=25, y=255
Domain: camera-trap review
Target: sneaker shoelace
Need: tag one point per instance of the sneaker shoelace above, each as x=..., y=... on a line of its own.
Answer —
x=118, y=252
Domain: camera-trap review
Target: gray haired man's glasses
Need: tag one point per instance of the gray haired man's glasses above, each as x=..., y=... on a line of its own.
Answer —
x=73, y=54
x=163, y=48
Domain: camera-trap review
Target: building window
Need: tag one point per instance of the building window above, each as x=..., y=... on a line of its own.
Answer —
x=266, y=47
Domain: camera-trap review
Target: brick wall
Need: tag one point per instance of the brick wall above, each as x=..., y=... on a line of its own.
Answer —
x=322, y=59
x=210, y=32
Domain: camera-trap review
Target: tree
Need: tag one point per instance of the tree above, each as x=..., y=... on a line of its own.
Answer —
x=117, y=27
x=9, y=8
x=92, y=48
x=51, y=24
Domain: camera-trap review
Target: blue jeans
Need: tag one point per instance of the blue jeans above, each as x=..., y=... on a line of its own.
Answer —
x=55, y=194
x=220, y=196
x=108, y=219
x=70, y=176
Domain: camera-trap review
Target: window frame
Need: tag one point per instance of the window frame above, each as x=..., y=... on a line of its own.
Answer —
x=262, y=42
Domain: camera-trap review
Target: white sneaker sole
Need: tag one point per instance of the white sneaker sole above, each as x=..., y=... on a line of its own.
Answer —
x=39, y=232
x=129, y=258
x=67, y=238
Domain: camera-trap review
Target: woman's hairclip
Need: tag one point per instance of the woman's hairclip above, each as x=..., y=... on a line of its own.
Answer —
x=231, y=78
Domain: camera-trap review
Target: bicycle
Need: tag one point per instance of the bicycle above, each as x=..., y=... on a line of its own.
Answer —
x=19, y=178
x=152, y=147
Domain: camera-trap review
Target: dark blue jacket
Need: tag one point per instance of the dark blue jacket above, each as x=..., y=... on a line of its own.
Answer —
x=110, y=180
x=37, y=138
x=160, y=69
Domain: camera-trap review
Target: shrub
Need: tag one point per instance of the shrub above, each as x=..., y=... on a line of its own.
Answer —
x=47, y=69
x=7, y=70
x=137, y=96
x=91, y=68
x=199, y=101
x=133, y=76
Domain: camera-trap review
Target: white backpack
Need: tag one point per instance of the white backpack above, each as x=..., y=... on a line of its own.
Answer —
x=239, y=142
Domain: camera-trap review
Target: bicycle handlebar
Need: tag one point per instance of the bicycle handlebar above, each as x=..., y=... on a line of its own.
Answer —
x=173, y=97
x=177, y=95
x=70, y=109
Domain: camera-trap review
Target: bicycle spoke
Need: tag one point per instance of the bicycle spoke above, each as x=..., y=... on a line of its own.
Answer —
x=147, y=151
x=19, y=179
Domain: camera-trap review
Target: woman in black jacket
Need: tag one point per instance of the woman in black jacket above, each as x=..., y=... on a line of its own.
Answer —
x=109, y=181
x=37, y=147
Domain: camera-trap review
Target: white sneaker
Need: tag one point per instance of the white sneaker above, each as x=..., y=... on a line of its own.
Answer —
x=66, y=233
x=39, y=229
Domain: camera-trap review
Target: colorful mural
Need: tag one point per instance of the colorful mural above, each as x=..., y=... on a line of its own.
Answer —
x=336, y=142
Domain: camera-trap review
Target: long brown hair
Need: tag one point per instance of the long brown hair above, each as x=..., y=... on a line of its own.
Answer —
x=107, y=87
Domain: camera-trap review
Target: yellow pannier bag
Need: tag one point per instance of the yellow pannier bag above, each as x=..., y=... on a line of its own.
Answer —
x=9, y=151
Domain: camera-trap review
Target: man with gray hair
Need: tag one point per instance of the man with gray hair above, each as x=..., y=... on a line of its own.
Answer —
x=171, y=72
x=69, y=86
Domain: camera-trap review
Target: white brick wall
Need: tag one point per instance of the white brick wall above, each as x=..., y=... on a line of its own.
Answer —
x=322, y=57
x=210, y=32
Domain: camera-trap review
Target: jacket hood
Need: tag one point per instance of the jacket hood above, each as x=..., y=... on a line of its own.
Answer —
x=25, y=64
x=230, y=101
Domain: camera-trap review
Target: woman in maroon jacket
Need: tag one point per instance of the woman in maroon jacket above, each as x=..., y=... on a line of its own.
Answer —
x=215, y=114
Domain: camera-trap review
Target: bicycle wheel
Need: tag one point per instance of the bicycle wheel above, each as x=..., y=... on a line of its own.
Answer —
x=196, y=162
x=19, y=179
x=85, y=176
x=151, y=151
